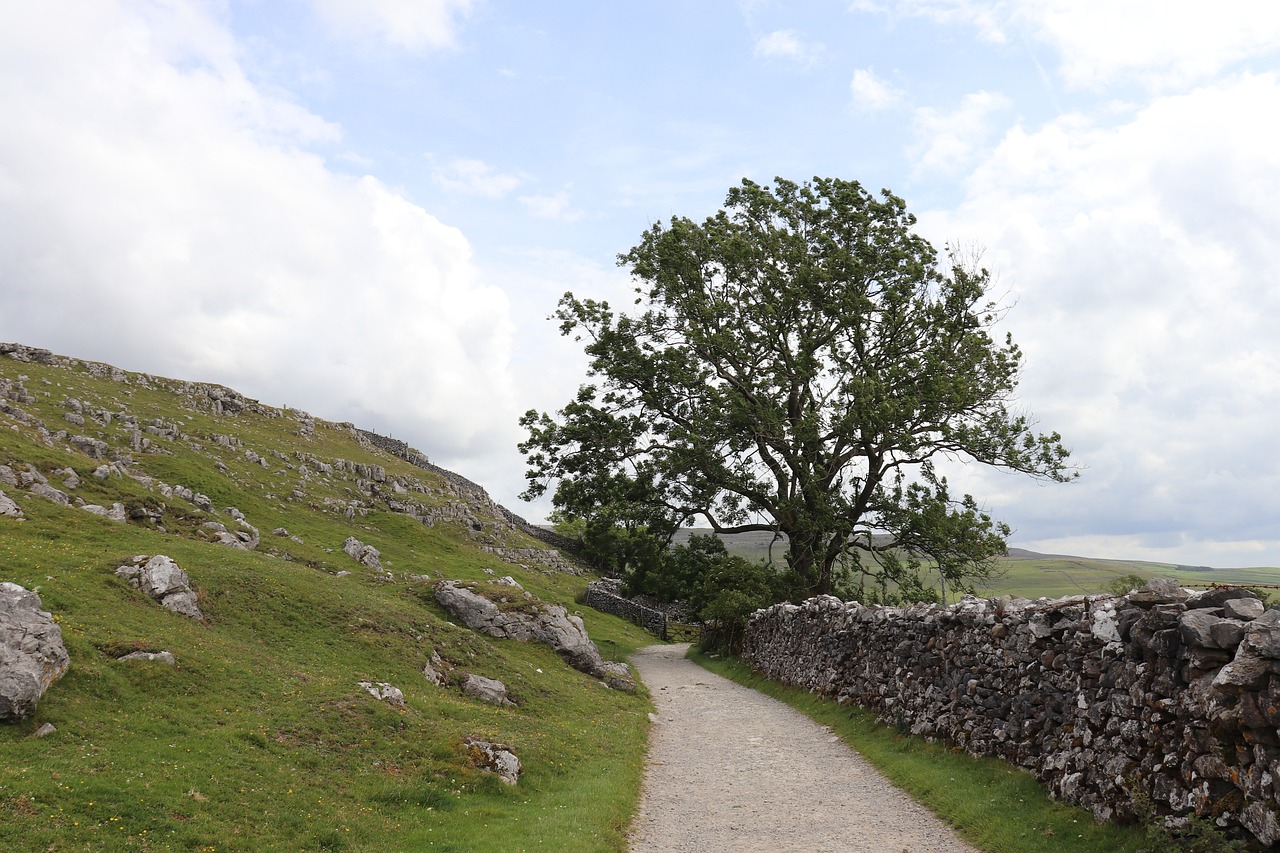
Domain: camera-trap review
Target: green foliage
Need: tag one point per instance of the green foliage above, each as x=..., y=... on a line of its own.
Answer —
x=677, y=573
x=1125, y=584
x=796, y=363
x=731, y=591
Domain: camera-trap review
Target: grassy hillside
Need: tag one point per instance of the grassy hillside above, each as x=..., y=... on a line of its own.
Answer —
x=260, y=738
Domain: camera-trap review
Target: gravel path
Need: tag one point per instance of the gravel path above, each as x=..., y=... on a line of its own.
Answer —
x=730, y=769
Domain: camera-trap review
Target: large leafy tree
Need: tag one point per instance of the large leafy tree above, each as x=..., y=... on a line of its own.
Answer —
x=796, y=363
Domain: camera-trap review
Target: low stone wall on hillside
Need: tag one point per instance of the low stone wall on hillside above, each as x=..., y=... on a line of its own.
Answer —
x=1175, y=693
x=604, y=596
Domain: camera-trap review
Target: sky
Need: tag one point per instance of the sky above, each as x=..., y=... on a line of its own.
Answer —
x=368, y=210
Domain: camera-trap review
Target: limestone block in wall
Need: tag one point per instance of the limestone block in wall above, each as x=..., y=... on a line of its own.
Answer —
x=1262, y=637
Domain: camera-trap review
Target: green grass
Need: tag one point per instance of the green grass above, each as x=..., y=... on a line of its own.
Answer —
x=996, y=808
x=260, y=738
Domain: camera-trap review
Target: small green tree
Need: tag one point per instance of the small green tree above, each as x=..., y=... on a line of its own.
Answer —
x=731, y=590
x=1124, y=584
x=678, y=574
x=796, y=364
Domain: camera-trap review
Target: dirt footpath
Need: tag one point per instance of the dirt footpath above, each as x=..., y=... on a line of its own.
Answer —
x=730, y=769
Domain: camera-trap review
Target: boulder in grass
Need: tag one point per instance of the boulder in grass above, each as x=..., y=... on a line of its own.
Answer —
x=32, y=655
x=489, y=690
x=9, y=508
x=386, y=692
x=494, y=757
x=162, y=579
x=365, y=555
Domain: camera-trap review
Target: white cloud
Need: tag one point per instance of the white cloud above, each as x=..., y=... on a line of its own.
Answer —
x=475, y=177
x=413, y=24
x=871, y=92
x=551, y=207
x=1144, y=272
x=987, y=16
x=162, y=214
x=946, y=142
x=1161, y=43
x=785, y=44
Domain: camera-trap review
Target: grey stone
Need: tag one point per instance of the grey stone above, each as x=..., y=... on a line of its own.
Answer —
x=487, y=690
x=1218, y=597
x=365, y=555
x=1227, y=633
x=114, y=513
x=1263, y=635
x=8, y=508
x=32, y=654
x=431, y=670
x=1246, y=609
x=44, y=490
x=166, y=658
x=384, y=691
x=1195, y=626
x=162, y=579
x=1159, y=591
x=495, y=758
x=92, y=447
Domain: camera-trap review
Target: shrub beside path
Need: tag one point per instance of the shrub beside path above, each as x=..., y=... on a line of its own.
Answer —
x=730, y=769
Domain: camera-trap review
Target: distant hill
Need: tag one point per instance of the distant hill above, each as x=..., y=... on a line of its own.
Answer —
x=1032, y=574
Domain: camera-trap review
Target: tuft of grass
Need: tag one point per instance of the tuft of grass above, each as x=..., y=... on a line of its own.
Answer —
x=995, y=807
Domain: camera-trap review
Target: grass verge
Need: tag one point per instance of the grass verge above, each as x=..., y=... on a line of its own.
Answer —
x=995, y=807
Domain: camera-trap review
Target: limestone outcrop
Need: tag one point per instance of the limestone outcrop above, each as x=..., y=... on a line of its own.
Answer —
x=32, y=655
x=10, y=508
x=162, y=579
x=495, y=758
x=533, y=621
x=388, y=693
x=489, y=690
x=365, y=555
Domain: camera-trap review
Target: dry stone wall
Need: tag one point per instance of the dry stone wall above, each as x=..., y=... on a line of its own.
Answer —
x=1163, y=691
x=606, y=597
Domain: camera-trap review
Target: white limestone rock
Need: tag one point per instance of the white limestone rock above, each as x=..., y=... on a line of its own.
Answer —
x=32, y=654
x=162, y=579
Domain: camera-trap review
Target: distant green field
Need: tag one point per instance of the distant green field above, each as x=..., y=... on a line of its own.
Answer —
x=1032, y=575
x=1036, y=575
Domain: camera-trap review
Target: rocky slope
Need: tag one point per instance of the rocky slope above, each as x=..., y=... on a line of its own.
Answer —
x=307, y=626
